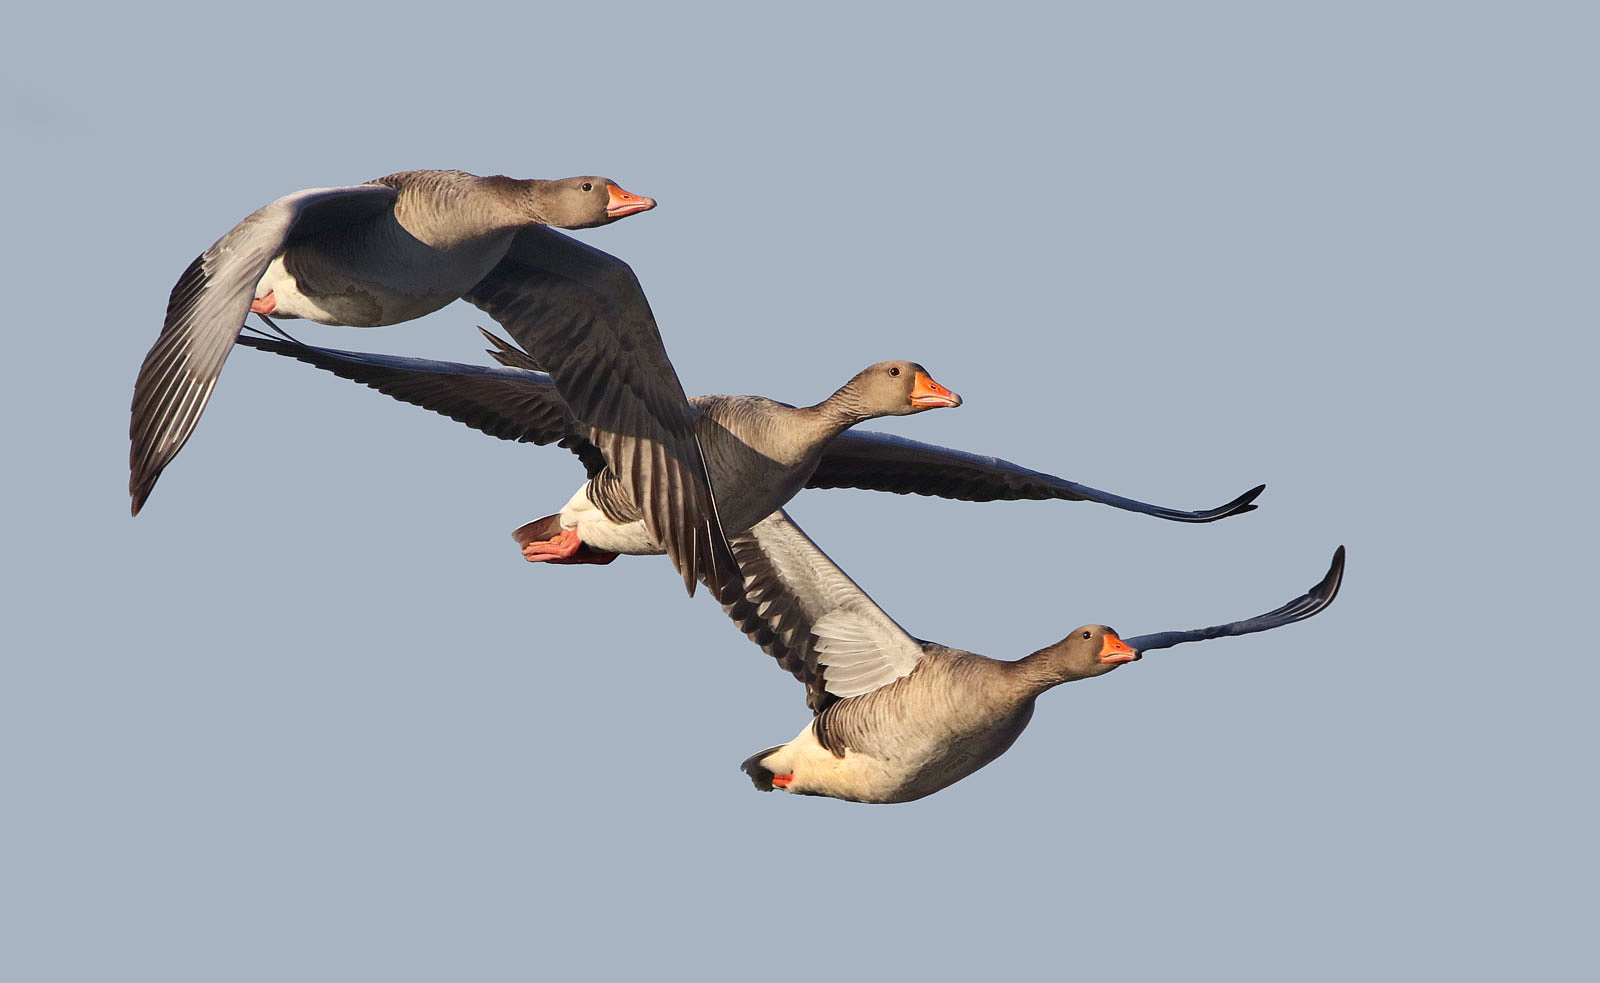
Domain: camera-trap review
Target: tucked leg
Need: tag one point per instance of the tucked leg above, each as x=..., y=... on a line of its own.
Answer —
x=561, y=547
x=544, y=541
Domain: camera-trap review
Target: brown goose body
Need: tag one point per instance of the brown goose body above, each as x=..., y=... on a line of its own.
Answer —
x=387, y=251
x=897, y=718
x=442, y=234
x=759, y=453
x=955, y=712
x=407, y=244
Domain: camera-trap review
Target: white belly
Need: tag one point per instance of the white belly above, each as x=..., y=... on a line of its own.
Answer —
x=290, y=302
x=856, y=777
x=601, y=533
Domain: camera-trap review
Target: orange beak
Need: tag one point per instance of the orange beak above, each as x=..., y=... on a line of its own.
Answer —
x=623, y=203
x=1115, y=651
x=926, y=394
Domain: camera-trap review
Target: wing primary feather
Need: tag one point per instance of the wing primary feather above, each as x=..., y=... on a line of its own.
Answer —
x=1314, y=601
x=581, y=314
x=206, y=309
x=886, y=462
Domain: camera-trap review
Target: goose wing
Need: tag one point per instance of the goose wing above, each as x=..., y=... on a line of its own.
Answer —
x=509, y=403
x=885, y=462
x=802, y=610
x=582, y=315
x=205, y=312
x=1311, y=602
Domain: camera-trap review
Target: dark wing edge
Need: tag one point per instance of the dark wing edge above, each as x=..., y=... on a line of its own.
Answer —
x=887, y=462
x=507, y=403
x=205, y=311
x=581, y=314
x=1306, y=605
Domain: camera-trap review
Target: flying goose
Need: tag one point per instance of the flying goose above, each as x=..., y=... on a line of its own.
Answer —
x=408, y=244
x=761, y=452
x=897, y=718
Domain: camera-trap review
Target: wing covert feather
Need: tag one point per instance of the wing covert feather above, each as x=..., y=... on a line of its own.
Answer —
x=801, y=609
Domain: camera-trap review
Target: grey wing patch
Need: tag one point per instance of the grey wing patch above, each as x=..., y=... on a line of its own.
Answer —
x=205, y=311
x=810, y=616
x=511, y=404
x=581, y=314
x=1312, y=602
x=886, y=462
x=851, y=650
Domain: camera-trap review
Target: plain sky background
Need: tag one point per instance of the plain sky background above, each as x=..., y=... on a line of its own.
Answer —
x=311, y=716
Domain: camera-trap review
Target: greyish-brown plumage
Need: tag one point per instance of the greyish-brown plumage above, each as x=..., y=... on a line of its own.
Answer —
x=383, y=252
x=408, y=244
x=897, y=718
x=760, y=452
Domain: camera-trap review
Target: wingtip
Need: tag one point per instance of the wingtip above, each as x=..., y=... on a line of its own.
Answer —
x=730, y=582
x=139, y=489
x=1329, y=587
x=712, y=562
x=1246, y=502
x=1323, y=593
x=497, y=344
x=508, y=353
x=723, y=577
x=1239, y=506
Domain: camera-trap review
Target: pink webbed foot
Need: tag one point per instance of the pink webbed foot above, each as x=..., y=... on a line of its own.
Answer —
x=782, y=781
x=562, y=547
x=544, y=541
x=264, y=305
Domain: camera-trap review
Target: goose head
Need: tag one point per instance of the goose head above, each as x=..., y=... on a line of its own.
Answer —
x=584, y=202
x=1089, y=651
x=896, y=388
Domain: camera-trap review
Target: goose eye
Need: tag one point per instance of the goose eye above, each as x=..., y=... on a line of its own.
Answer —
x=1086, y=634
x=587, y=186
x=895, y=370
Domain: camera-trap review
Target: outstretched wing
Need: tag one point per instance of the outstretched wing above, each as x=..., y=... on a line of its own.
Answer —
x=205, y=312
x=810, y=616
x=512, y=404
x=583, y=317
x=885, y=462
x=1299, y=609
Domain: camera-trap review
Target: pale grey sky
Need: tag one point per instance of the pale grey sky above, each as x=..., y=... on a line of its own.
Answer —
x=311, y=716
